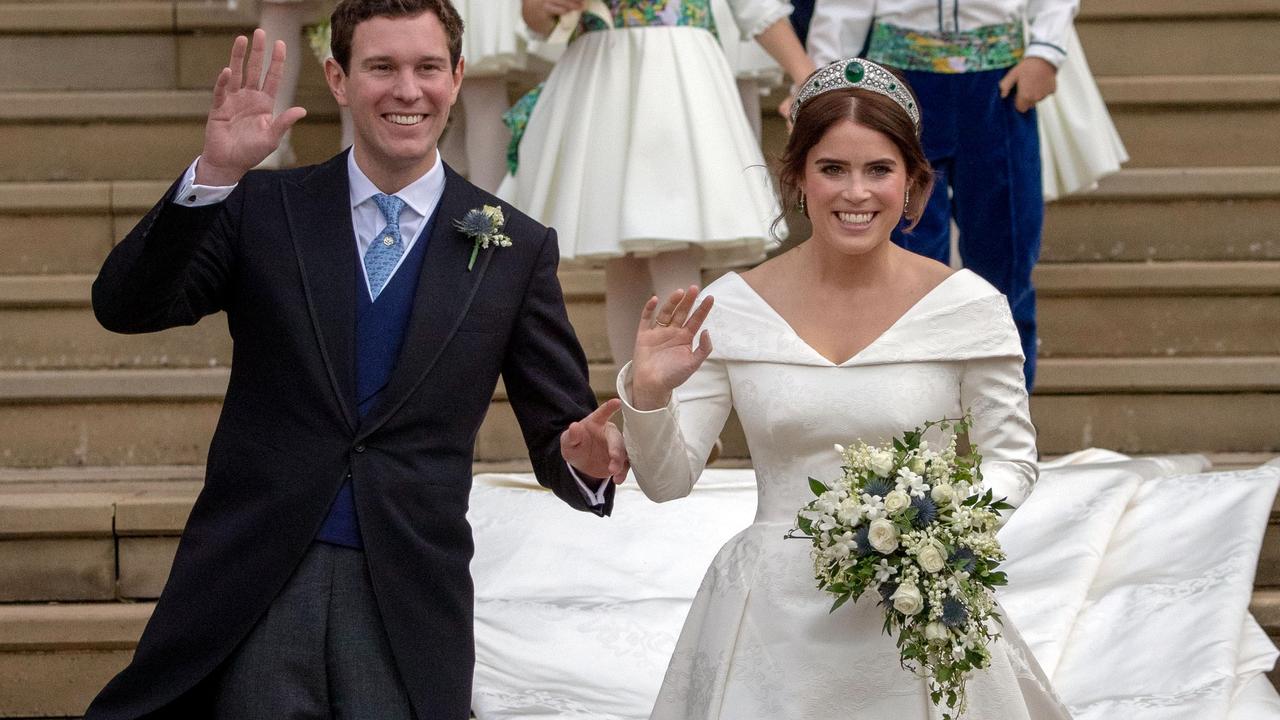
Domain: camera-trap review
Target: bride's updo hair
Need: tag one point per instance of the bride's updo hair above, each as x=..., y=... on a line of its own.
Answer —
x=866, y=108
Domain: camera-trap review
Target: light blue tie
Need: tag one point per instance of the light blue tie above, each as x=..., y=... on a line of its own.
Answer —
x=387, y=245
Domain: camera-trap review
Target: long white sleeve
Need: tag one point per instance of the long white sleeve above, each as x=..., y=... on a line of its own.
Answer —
x=755, y=16
x=993, y=390
x=839, y=29
x=1048, y=22
x=668, y=447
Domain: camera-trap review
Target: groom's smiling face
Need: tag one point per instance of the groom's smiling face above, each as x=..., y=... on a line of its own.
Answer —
x=399, y=90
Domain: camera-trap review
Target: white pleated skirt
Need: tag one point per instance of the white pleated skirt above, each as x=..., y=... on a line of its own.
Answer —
x=639, y=145
x=494, y=36
x=1079, y=144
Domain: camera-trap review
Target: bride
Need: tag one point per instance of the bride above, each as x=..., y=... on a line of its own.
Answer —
x=845, y=337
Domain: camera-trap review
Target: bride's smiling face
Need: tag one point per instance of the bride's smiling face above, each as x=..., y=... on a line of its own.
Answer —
x=855, y=180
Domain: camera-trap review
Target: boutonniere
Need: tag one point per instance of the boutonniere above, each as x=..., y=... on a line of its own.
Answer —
x=484, y=226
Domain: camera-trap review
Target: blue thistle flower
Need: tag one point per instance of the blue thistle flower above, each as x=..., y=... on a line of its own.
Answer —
x=968, y=561
x=954, y=614
x=475, y=223
x=926, y=511
x=860, y=536
x=879, y=487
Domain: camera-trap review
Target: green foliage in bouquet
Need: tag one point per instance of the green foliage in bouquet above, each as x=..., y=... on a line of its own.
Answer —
x=912, y=524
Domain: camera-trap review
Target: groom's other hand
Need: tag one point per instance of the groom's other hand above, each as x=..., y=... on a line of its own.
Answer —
x=242, y=128
x=594, y=446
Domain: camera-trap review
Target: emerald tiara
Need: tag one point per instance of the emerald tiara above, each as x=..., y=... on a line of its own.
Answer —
x=857, y=73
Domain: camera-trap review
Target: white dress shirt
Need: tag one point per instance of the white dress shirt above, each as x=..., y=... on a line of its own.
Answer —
x=420, y=200
x=839, y=28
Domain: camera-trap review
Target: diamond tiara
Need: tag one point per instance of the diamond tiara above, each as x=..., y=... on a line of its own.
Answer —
x=857, y=73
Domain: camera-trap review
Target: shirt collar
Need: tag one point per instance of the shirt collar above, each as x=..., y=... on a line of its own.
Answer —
x=421, y=195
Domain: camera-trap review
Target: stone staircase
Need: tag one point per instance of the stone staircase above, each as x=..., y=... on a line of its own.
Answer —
x=1160, y=293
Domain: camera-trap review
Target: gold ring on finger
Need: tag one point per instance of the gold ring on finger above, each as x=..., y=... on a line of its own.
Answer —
x=663, y=324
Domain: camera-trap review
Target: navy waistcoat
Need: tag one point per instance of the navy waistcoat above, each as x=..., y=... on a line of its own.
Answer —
x=380, y=329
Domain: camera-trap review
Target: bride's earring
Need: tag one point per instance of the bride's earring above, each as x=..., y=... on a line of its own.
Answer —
x=906, y=205
x=803, y=210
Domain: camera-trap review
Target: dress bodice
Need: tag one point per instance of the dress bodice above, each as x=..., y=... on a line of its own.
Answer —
x=955, y=350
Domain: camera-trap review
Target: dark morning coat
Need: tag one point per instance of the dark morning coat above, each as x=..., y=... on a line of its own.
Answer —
x=279, y=257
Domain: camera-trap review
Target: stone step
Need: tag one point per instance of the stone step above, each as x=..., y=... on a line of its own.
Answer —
x=1159, y=309
x=68, y=227
x=1158, y=422
x=46, y=322
x=1151, y=309
x=55, y=658
x=1169, y=214
x=139, y=44
x=1158, y=117
x=1150, y=214
x=104, y=544
x=128, y=135
x=108, y=134
x=18, y=17
x=1152, y=37
x=166, y=417
x=155, y=44
x=147, y=417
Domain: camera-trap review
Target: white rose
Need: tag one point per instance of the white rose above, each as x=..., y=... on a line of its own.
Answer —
x=943, y=494
x=881, y=462
x=907, y=599
x=896, y=501
x=936, y=632
x=883, y=536
x=931, y=558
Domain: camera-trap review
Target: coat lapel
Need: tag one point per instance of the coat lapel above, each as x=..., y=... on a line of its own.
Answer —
x=445, y=291
x=318, y=209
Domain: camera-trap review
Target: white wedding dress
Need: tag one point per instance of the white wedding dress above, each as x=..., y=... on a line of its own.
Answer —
x=759, y=641
x=1129, y=579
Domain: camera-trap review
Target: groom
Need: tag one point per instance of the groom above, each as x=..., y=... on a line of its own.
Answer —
x=324, y=568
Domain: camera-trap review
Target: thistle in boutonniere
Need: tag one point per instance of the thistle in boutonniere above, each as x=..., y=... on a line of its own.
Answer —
x=484, y=226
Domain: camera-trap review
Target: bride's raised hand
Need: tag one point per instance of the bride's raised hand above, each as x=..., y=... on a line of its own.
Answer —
x=665, y=355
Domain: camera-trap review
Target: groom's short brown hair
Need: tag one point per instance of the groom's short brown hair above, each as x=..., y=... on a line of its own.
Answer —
x=350, y=13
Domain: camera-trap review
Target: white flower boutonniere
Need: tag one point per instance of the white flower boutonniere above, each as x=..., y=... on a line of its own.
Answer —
x=484, y=226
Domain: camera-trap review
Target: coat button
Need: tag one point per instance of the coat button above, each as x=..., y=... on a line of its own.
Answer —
x=359, y=448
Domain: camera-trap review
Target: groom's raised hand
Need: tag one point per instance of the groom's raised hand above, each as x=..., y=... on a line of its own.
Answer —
x=242, y=128
x=594, y=446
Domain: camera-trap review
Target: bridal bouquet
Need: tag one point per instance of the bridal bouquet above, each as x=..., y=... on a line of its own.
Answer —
x=911, y=523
